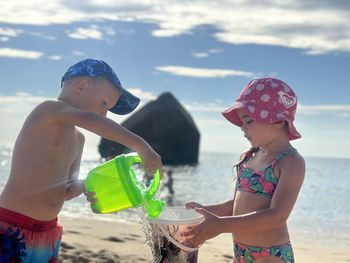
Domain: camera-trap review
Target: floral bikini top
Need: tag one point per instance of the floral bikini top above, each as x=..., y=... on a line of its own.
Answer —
x=259, y=181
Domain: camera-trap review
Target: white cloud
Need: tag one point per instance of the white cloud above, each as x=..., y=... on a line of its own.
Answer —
x=9, y=32
x=78, y=53
x=92, y=32
x=13, y=111
x=320, y=28
x=340, y=109
x=55, y=57
x=203, y=72
x=206, y=53
x=18, y=53
x=204, y=107
x=200, y=54
x=143, y=95
x=19, y=103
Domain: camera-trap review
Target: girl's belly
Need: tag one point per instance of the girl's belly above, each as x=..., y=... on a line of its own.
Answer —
x=269, y=235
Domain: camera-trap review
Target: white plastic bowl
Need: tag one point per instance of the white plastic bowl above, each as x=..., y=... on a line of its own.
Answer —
x=173, y=221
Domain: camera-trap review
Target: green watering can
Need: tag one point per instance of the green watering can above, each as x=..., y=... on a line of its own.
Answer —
x=117, y=188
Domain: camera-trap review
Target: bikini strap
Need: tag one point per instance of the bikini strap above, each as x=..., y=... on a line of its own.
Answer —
x=283, y=154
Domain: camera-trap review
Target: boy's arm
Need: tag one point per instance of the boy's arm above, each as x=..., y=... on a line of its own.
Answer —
x=106, y=128
x=76, y=186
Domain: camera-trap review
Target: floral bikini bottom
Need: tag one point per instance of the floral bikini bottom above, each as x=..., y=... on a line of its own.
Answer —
x=249, y=254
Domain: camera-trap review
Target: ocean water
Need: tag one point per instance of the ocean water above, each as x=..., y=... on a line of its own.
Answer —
x=321, y=215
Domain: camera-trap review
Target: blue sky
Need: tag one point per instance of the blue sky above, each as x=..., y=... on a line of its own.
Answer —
x=203, y=52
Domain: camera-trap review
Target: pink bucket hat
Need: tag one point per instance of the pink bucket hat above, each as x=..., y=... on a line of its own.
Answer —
x=267, y=100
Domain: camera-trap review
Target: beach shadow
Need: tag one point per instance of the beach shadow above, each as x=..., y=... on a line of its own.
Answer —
x=227, y=256
x=72, y=232
x=66, y=246
x=114, y=239
x=87, y=256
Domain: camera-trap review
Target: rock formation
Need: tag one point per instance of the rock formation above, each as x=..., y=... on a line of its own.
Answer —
x=166, y=126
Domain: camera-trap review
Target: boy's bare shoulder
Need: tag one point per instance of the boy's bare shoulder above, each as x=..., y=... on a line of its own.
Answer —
x=46, y=108
x=56, y=111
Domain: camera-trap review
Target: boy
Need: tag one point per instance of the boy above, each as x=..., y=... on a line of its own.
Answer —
x=46, y=158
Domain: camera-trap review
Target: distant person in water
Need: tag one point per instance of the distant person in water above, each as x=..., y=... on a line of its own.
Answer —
x=169, y=183
x=47, y=154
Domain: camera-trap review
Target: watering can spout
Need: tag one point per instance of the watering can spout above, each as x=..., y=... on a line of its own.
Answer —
x=154, y=207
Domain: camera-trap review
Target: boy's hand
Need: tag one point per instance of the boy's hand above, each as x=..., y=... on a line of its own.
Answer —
x=151, y=161
x=90, y=198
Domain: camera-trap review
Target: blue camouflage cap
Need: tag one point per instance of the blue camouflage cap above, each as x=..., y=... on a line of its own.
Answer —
x=98, y=68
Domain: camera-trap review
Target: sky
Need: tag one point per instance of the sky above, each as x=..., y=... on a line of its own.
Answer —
x=203, y=52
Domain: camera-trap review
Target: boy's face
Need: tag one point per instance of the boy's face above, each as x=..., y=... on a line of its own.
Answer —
x=99, y=96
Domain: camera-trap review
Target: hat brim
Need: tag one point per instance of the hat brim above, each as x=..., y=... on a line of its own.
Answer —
x=293, y=134
x=126, y=103
x=231, y=113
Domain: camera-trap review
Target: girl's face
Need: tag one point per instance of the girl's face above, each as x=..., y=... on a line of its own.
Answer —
x=101, y=96
x=257, y=133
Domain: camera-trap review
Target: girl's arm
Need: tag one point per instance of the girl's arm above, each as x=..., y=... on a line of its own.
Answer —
x=292, y=176
x=221, y=209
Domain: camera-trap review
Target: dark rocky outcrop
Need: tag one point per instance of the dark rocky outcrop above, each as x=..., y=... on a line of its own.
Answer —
x=166, y=126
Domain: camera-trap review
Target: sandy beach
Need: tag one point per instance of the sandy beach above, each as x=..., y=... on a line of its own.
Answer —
x=94, y=240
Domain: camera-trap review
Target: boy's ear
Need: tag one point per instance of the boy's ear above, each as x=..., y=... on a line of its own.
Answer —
x=81, y=84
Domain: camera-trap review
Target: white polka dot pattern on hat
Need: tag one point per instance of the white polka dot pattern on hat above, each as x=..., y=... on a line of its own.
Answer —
x=265, y=97
x=264, y=114
x=251, y=108
x=280, y=115
x=260, y=87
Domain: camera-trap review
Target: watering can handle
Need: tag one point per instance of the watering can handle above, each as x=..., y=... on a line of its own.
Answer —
x=153, y=188
x=133, y=158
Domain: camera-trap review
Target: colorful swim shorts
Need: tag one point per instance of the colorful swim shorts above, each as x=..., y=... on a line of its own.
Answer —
x=24, y=239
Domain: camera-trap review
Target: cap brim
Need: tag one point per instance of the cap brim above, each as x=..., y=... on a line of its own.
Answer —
x=126, y=103
x=231, y=113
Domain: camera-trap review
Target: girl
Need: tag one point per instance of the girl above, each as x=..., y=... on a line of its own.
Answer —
x=269, y=177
